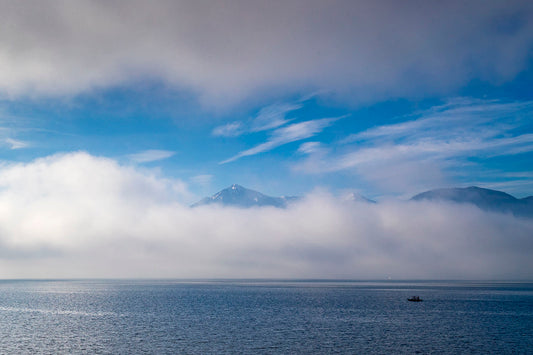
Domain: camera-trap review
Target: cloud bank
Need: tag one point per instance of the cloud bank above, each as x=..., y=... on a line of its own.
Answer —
x=76, y=215
x=228, y=51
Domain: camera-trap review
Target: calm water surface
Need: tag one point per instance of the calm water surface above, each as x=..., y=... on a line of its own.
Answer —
x=254, y=317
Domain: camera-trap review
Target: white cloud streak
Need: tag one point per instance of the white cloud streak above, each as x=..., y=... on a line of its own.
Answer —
x=288, y=134
x=151, y=155
x=414, y=155
x=457, y=117
x=232, y=129
x=273, y=116
x=76, y=215
x=269, y=117
x=228, y=51
x=310, y=147
x=16, y=144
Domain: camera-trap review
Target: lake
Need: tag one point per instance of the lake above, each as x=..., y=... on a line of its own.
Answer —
x=264, y=317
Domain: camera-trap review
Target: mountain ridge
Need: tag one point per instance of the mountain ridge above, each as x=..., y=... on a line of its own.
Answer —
x=485, y=199
x=239, y=196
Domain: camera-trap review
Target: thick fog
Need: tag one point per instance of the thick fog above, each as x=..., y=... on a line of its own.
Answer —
x=77, y=215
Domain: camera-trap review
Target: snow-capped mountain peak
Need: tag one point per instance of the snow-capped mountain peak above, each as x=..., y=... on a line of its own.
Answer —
x=355, y=197
x=239, y=196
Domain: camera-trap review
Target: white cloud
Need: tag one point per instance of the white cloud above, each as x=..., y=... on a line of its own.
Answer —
x=76, y=215
x=16, y=144
x=310, y=147
x=273, y=116
x=458, y=117
x=287, y=134
x=151, y=155
x=269, y=117
x=232, y=129
x=229, y=51
x=417, y=154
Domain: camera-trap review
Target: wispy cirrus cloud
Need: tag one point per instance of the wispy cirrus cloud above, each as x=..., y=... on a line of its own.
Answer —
x=273, y=116
x=16, y=144
x=268, y=118
x=232, y=129
x=310, y=147
x=151, y=155
x=291, y=133
x=419, y=152
x=455, y=118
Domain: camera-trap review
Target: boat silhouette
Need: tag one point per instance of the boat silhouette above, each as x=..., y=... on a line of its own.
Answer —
x=415, y=299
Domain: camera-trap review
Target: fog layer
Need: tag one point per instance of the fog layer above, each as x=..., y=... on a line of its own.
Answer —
x=78, y=215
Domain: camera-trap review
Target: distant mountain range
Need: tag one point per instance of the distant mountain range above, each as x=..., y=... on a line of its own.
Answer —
x=485, y=199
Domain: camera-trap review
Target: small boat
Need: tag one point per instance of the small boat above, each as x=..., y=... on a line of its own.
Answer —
x=415, y=299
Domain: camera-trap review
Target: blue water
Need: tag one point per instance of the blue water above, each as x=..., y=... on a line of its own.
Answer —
x=254, y=317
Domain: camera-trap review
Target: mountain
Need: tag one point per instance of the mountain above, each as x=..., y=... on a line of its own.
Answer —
x=486, y=199
x=355, y=197
x=239, y=196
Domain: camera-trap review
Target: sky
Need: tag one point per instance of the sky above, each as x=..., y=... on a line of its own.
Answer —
x=115, y=116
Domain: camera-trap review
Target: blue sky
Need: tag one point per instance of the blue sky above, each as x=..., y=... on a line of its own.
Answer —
x=116, y=116
x=378, y=98
x=293, y=145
